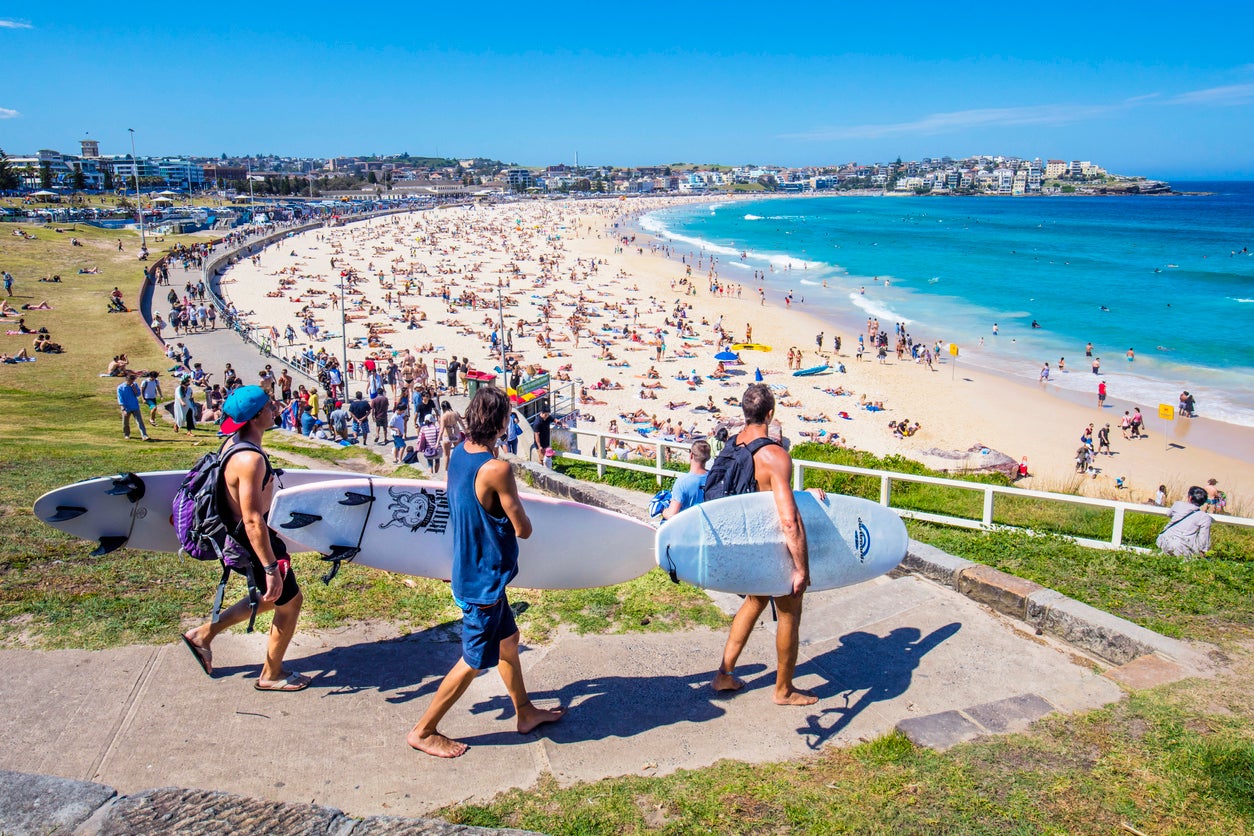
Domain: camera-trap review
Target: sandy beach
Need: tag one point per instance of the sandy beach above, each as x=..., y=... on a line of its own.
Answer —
x=575, y=295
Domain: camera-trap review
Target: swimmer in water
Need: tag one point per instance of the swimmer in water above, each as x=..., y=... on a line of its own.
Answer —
x=1104, y=308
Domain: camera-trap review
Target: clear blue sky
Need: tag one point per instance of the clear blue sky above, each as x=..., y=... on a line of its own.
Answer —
x=1163, y=89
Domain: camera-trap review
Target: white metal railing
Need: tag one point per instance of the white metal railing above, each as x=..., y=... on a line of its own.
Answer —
x=661, y=447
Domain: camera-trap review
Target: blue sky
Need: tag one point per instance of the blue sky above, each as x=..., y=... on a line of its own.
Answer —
x=1150, y=88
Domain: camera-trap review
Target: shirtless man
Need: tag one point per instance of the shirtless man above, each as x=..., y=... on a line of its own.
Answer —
x=249, y=482
x=773, y=472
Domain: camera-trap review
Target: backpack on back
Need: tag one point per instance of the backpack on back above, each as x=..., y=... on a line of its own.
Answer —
x=203, y=525
x=732, y=472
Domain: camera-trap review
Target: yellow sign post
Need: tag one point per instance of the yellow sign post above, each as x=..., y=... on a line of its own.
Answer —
x=1168, y=413
x=953, y=352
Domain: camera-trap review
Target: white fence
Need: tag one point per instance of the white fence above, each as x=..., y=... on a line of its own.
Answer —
x=660, y=449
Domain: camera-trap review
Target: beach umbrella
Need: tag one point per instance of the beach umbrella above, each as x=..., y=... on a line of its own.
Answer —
x=757, y=375
x=727, y=356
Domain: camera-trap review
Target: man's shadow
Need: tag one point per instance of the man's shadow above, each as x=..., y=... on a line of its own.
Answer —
x=615, y=706
x=881, y=667
x=404, y=668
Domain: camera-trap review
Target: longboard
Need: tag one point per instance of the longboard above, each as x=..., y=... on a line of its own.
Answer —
x=750, y=347
x=735, y=544
x=134, y=509
x=402, y=525
x=811, y=370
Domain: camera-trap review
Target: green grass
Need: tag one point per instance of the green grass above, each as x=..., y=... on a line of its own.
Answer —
x=1196, y=599
x=1159, y=761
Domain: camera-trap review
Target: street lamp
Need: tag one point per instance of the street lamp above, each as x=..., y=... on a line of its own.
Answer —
x=143, y=239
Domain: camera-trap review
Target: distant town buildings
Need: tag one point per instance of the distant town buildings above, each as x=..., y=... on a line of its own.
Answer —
x=401, y=175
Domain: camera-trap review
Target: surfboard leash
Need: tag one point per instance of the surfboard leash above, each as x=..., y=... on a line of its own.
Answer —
x=341, y=554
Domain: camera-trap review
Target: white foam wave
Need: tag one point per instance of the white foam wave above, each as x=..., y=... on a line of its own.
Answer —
x=1238, y=299
x=881, y=312
x=753, y=217
x=739, y=264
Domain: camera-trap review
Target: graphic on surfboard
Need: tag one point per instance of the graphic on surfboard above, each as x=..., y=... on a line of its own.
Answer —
x=735, y=544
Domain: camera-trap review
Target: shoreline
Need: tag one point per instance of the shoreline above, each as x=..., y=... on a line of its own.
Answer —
x=1155, y=380
x=480, y=247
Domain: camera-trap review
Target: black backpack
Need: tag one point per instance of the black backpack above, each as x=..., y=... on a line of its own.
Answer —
x=732, y=472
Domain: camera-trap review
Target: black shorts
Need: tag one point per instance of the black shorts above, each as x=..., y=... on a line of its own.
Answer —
x=290, y=587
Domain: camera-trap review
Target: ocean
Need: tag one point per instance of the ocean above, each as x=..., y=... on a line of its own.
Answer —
x=1167, y=276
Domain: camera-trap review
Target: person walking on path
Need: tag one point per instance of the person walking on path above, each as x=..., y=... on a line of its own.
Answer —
x=128, y=401
x=150, y=391
x=488, y=519
x=248, y=480
x=773, y=474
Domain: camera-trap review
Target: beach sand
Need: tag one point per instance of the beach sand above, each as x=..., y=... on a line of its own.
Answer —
x=568, y=254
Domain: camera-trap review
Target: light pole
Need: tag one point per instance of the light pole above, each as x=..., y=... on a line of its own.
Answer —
x=343, y=334
x=143, y=239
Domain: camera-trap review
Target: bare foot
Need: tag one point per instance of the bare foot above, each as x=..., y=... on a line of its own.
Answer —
x=436, y=744
x=726, y=682
x=530, y=717
x=796, y=696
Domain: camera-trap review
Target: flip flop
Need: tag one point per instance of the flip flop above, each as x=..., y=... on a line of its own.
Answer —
x=293, y=682
x=203, y=655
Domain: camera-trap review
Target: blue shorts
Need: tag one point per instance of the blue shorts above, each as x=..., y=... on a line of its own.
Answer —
x=483, y=630
x=151, y=402
x=398, y=441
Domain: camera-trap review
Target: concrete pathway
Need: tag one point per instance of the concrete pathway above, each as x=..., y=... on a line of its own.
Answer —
x=885, y=652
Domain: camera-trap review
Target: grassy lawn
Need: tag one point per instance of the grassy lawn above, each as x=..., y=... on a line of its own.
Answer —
x=1175, y=760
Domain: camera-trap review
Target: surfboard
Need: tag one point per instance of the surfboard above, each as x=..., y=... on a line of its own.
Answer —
x=750, y=347
x=402, y=525
x=811, y=370
x=133, y=509
x=735, y=544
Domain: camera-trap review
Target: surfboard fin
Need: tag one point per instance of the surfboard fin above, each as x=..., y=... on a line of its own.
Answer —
x=128, y=484
x=338, y=555
x=354, y=498
x=109, y=544
x=66, y=512
x=300, y=520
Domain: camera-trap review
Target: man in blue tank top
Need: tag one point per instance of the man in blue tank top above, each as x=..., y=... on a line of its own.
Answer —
x=487, y=518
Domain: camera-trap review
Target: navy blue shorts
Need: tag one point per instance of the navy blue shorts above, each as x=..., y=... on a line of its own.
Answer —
x=483, y=630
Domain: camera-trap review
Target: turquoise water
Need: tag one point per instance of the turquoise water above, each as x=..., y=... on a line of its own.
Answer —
x=1165, y=276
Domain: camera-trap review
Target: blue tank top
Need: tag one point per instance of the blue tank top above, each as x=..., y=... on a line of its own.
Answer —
x=485, y=548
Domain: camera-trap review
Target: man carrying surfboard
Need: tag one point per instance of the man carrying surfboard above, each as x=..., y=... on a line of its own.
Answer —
x=487, y=518
x=249, y=482
x=772, y=470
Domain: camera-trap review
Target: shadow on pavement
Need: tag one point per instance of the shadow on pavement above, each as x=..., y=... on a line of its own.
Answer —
x=882, y=668
x=615, y=706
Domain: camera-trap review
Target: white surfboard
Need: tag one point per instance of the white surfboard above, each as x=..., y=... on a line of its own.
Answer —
x=735, y=544
x=134, y=509
x=401, y=525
